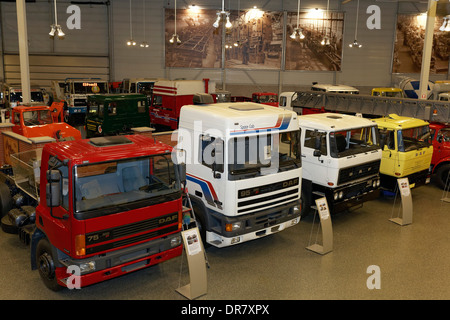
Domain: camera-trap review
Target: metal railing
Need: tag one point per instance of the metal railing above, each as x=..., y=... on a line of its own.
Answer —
x=429, y=110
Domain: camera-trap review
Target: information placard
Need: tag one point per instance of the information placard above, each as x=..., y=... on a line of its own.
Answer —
x=197, y=264
x=327, y=230
x=407, y=207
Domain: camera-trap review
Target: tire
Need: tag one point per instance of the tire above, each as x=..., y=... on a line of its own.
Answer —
x=46, y=265
x=442, y=175
x=5, y=199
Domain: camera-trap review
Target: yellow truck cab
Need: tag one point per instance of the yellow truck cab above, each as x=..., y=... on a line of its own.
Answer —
x=387, y=92
x=407, y=150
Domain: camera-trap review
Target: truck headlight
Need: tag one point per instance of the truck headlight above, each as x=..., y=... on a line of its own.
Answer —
x=341, y=194
x=175, y=241
x=336, y=196
x=233, y=226
x=87, y=266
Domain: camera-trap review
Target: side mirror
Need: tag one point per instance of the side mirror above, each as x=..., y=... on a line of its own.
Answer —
x=182, y=172
x=218, y=165
x=317, y=153
x=53, y=188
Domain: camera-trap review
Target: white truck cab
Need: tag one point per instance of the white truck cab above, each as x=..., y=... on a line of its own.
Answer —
x=341, y=159
x=243, y=168
x=334, y=88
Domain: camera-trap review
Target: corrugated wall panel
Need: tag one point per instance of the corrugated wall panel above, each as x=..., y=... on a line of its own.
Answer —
x=44, y=68
x=82, y=53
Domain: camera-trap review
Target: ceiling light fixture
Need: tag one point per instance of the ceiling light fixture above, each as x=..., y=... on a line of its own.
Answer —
x=238, y=41
x=131, y=42
x=446, y=24
x=326, y=41
x=144, y=44
x=298, y=31
x=442, y=28
x=56, y=28
x=228, y=24
x=355, y=43
x=175, y=38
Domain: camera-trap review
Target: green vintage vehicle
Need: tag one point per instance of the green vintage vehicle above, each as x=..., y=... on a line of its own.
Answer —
x=112, y=114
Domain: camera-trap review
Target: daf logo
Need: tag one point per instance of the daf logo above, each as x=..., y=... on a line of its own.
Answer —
x=172, y=218
x=290, y=183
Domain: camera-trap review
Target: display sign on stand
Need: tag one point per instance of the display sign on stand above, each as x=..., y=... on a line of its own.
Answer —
x=197, y=265
x=327, y=230
x=407, y=207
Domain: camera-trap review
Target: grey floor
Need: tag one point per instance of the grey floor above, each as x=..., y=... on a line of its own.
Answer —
x=414, y=262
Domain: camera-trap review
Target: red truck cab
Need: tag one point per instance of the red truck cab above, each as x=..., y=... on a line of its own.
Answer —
x=440, y=162
x=268, y=98
x=108, y=206
x=38, y=121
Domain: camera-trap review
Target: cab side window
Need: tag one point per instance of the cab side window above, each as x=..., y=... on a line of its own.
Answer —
x=310, y=141
x=211, y=152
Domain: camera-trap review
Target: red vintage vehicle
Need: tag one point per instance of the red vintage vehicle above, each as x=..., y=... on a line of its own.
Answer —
x=268, y=98
x=440, y=162
x=42, y=121
x=96, y=209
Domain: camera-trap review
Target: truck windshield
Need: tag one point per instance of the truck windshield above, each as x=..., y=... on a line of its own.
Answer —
x=37, y=117
x=145, y=88
x=123, y=185
x=445, y=134
x=90, y=87
x=413, y=138
x=349, y=142
x=36, y=96
x=265, y=98
x=251, y=153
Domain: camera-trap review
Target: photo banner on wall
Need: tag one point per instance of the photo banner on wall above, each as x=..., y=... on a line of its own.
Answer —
x=201, y=43
x=255, y=40
x=409, y=41
x=321, y=47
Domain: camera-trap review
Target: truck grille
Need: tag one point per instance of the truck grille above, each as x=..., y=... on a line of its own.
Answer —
x=357, y=172
x=270, y=200
x=131, y=233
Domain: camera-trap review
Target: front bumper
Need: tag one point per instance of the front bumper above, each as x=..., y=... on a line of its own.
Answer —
x=120, y=262
x=253, y=225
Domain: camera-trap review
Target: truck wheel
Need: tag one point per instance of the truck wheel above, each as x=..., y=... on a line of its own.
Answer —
x=46, y=265
x=5, y=199
x=306, y=204
x=442, y=176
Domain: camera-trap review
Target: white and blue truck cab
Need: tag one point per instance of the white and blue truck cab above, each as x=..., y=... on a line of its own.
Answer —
x=243, y=166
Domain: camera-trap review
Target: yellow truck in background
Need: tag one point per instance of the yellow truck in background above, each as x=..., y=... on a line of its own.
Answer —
x=387, y=92
x=406, y=150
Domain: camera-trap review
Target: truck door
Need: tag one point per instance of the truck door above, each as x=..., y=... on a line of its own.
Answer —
x=54, y=218
x=315, y=155
x=390, y=155
x=209, y=176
